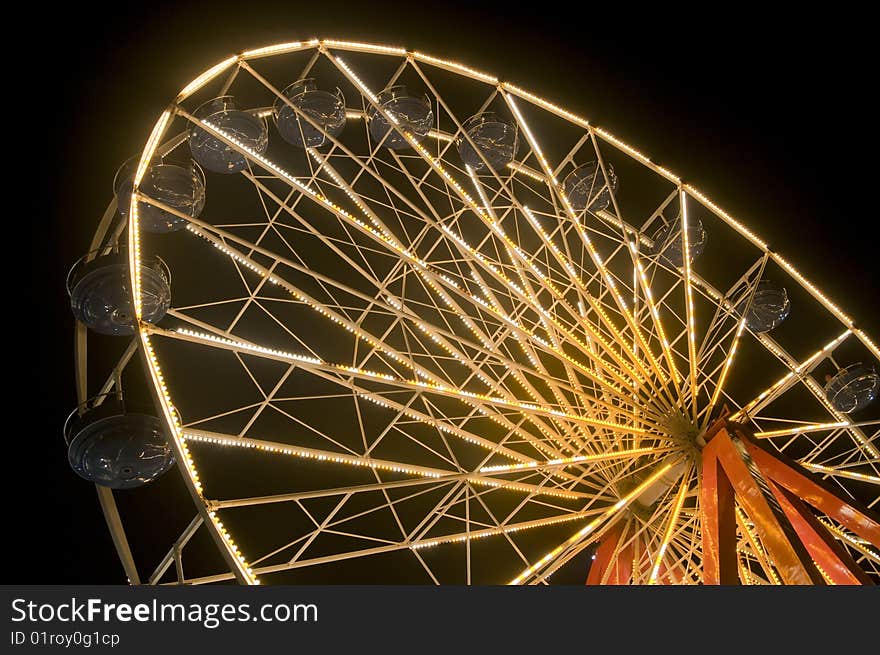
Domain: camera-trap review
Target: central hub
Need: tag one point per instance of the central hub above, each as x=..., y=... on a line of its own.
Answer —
x=679, y=428
x=682, y=430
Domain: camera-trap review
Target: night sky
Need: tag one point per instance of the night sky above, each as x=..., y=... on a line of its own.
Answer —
x=770, y=120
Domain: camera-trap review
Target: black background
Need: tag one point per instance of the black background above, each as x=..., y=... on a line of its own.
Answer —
x=772, y=117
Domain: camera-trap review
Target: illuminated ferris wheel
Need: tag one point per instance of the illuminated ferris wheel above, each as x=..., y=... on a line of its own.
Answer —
x=427, y=324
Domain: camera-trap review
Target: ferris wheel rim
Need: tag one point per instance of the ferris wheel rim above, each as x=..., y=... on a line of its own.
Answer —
x=283, y=48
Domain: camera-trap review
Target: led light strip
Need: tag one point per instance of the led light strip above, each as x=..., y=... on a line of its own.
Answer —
x=233, y=553
x=689, y=294
x=205, y=77
x=278, y=49
x=582, y=122
x=670, y=528
x=359, y=461
x=566, y=461
x=491, y=220
x=504, y=529
x=597, y=307
x=831, y=345
x=739, y=227
x=550, y=178
x=525, y=170
x=818, y=468
x=594, y=255
x=540, y=309
x=455, y=67
x=800, y=429
x=727, y=364
x=763, y=559
x=381, y=234
x=545, y=104
x=441, y=136
x=644, y=159
x=858, y=543
x=245, y=572
x=363, y=47
x=652, y=307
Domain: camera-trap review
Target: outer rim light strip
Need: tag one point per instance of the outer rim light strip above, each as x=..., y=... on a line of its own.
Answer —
x=234, y=554
x=186, y=462
x=623, y=502
x=363, y=47
x=739, y=227
x=544, y=104
x=277, y=49
x=818, y=295
x=134, y=256
x=669, y=175
x=205, y=77
x=865, y=339
x=134, y=235
x=451, y=65
x=150, y=148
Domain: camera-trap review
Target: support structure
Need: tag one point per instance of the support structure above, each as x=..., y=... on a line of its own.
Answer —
x=774, y=493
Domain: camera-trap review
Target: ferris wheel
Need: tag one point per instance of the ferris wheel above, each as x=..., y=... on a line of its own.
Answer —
x=428, y=324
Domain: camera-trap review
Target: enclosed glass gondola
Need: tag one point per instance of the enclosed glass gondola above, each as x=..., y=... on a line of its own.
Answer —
x=100, y=292
x=410, y=113
x=586, y=187
x=669, y=246
x=853, y=388
x=496, y=139
x=180, y=187
x=116, y=447
x=215, y=154
x=325, y=109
